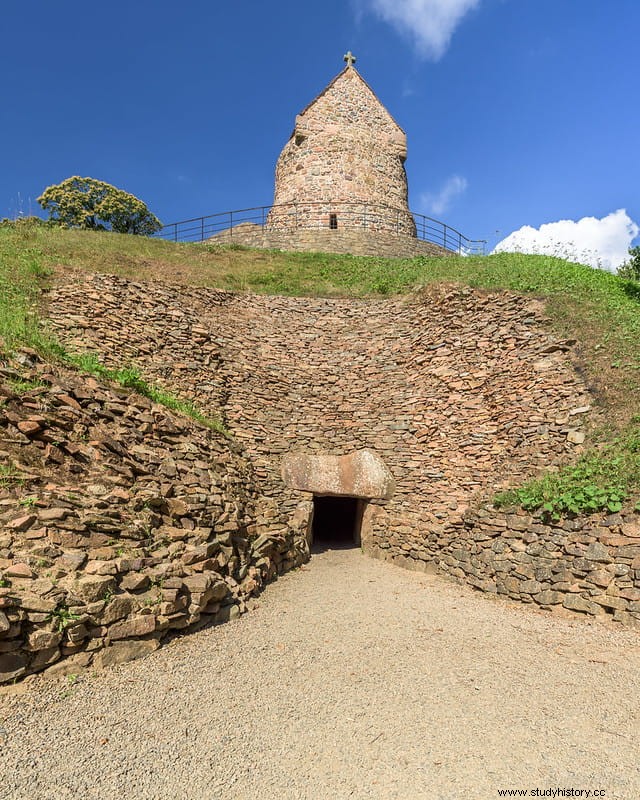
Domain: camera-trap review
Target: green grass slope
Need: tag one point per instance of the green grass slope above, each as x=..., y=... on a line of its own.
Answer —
x=601, y=311
x=25, y=268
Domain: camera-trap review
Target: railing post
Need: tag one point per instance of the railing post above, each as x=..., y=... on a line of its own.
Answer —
x=444, y=235
x=175, y=232
x=231, y=223
x=202, y=229
x=459, y=244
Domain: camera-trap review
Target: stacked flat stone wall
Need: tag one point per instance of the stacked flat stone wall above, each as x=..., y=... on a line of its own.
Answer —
x=120, y=524
x=353, y=240
x=587, y=564
x=461, y=394
x=345, y=148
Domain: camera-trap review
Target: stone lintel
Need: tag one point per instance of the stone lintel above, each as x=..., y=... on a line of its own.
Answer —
x=361, y=474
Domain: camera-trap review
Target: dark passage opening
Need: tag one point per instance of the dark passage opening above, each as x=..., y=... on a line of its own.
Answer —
x=336, y=522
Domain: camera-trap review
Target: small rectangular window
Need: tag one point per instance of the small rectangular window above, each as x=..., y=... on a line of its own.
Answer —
x=333, y=222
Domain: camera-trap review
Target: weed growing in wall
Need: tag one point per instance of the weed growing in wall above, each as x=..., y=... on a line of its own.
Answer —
x=9, y=475
x=63, y=618
x=600, y=481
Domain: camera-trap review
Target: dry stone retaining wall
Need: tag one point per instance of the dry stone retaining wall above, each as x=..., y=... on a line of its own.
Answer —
x=120, y=523
x=589, y=564
x=460, y=393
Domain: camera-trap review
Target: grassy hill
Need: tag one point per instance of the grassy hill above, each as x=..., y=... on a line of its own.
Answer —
x=600, y=311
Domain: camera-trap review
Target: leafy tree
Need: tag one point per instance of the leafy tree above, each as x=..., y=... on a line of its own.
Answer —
x=631, y=269
x=89, y=203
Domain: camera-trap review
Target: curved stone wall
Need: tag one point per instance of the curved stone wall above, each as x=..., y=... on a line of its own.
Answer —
x=122, y=524
x=588, y=564
x=354, y=240
x=459, y=392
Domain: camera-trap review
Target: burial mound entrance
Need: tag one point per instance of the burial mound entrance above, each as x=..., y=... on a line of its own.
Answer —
x=336, y=521
x=341, y=488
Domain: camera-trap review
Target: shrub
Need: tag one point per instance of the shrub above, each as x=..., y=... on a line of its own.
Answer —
x=89, y=203
x=631, y=269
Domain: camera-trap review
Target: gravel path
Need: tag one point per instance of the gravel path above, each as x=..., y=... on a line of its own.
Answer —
x=350, y=679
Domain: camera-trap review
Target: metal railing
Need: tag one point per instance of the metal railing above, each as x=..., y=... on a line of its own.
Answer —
x=287, y=217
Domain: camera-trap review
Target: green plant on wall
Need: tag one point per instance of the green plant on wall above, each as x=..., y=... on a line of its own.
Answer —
x=9, y=475
x=62, y=618
x=599, y=481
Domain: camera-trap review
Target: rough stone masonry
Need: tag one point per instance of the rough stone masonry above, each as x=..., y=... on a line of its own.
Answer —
x=345, y=149
x=129, y=522
x=120, y=524
x=459, y=392
x=341, y=183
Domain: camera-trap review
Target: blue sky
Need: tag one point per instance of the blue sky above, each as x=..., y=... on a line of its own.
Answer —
x=518, y=112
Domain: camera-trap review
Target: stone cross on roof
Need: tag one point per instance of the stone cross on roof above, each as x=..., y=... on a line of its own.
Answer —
x=350, y=59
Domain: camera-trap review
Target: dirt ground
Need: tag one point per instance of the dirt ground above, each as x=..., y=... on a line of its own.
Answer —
x=350, y=679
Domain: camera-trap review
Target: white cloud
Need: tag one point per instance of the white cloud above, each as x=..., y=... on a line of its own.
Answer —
x=440, y=201
x=598, y=242
x=428, y=23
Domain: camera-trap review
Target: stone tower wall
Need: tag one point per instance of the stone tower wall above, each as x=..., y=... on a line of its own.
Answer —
x=345, y=151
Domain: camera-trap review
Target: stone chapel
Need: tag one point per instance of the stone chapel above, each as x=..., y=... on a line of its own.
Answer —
x=343, y=165
x=340, y=182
